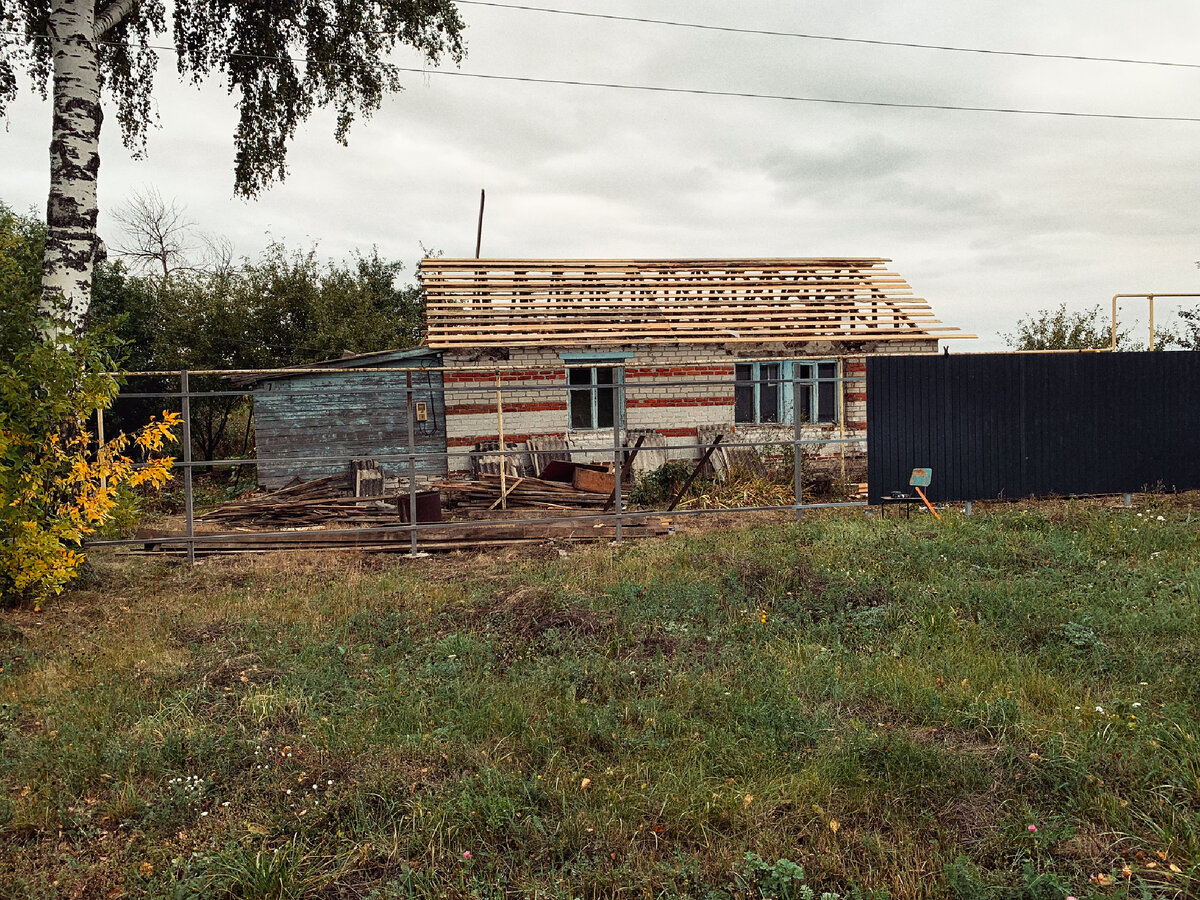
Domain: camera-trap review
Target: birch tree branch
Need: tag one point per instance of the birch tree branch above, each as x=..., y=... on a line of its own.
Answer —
x=112, y=16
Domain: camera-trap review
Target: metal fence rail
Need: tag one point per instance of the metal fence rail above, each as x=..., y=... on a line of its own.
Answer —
x=801, y=440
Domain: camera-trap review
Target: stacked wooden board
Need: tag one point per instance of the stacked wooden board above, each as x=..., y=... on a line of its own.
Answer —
x=474, y=535
x=308, y=505
x=531, y=302
x=315, y=516
x=484, y=491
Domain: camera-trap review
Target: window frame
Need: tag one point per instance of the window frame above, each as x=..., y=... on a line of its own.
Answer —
x=814, y=388
x=789, y=373
x=592, y=363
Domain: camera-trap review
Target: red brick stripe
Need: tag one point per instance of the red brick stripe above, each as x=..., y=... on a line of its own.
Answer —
x=509, y=439
x=485, y=378
x=464, y=409
x=650, y=402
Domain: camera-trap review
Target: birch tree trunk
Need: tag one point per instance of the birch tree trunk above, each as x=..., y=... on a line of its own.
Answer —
x=71, y=212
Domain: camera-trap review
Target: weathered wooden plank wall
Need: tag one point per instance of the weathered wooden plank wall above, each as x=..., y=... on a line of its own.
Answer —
x=1019, y=425
x=308, y=426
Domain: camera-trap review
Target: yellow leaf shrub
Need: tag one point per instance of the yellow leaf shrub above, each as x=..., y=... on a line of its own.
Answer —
x=56, y=485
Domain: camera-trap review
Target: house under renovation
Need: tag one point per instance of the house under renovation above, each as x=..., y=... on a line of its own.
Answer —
x=574, y=353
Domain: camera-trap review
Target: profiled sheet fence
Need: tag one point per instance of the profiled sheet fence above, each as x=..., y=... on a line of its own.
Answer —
x=1017, y=425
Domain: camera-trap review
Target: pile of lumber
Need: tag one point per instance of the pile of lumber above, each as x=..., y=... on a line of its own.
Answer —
x=306, y=505
x=483, y=492
x=467, y=536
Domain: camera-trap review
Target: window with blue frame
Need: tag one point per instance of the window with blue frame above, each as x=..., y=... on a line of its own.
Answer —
x=763, y=392
x=592, y=396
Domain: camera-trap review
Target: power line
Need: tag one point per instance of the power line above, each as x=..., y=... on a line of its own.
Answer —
x=745, y=95
x=798, y=99
x=729, y=29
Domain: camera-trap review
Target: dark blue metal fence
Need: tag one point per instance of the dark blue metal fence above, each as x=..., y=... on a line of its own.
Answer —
x=1017, y=425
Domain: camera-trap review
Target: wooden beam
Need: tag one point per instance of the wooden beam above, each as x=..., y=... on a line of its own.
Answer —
x=696, y=471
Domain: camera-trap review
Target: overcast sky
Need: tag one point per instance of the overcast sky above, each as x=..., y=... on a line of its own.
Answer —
x=989, y=216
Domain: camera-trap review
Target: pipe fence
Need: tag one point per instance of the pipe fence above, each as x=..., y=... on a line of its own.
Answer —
x=806, y=440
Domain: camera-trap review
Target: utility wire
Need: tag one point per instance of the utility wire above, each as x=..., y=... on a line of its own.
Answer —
x=729, y=29
x=748, y=95
x=798, y=99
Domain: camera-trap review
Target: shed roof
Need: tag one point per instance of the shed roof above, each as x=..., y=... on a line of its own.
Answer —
x=371, y=360
x=591, y=302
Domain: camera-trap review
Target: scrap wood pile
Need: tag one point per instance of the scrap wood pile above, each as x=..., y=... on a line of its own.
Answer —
x=305, y=505
x=483, y=492
x=317, y=515
x=474, y=535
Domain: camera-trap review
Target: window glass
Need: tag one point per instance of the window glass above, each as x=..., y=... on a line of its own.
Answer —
x=768, y=395
x=827, y=401
x=804, y=392
x=743, y=393
x=827, y=392
x=581, y=409
x=604, y=406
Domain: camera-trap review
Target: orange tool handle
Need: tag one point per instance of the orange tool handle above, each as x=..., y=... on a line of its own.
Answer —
x=927, y=503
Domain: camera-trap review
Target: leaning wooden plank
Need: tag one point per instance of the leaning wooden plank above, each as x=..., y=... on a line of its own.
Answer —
x=696, y=470
x=505, y=493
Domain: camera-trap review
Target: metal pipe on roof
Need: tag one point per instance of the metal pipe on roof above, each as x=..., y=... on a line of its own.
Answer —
x=1113, y=337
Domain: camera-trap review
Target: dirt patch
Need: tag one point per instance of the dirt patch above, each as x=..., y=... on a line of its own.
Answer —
x=803, y=579
x=244, y=669
x=651, y=645
x=528, y=613
x=1090, y=845
x=975, y=816
x=869, y=597
x=206, y=633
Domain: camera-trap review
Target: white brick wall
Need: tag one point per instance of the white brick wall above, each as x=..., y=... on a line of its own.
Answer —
x=477, y=420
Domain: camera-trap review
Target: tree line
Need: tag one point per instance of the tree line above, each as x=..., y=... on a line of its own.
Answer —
x=178, y=301
x=1059, y=328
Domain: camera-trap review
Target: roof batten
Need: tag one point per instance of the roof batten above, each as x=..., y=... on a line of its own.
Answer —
x=529, y=302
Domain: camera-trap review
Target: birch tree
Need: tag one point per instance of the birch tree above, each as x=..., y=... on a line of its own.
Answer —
x=279, y=59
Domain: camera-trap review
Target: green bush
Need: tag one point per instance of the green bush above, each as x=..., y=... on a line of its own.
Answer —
x=661, y=484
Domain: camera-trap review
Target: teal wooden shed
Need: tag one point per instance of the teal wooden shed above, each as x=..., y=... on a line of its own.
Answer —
x=312, y=424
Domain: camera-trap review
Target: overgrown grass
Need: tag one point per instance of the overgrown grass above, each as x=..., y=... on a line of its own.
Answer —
x=997, y=706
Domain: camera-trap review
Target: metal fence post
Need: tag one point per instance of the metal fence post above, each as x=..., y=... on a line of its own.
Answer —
x=189, y=517
x=797, y=451
x=618, y=463
x=412, y=468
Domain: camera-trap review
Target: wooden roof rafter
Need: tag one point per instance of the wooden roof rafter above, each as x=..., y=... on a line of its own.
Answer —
x=562, y=303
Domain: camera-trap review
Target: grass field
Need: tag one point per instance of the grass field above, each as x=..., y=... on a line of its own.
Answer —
x=997, y=706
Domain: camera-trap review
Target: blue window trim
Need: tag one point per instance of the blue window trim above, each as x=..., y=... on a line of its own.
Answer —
x=813, y=387
x=788, y=374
